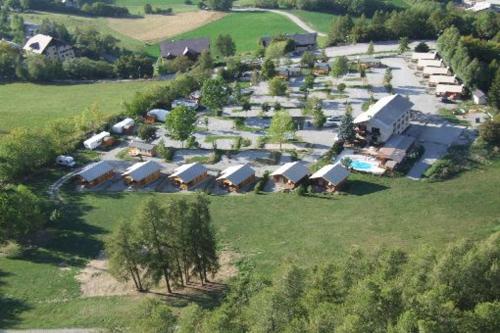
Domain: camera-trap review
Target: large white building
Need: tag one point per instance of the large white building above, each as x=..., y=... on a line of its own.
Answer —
x=389, y=115
x=49, y=47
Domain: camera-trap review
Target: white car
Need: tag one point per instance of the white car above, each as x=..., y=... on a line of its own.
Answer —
x=332, y=122
x=66, y=161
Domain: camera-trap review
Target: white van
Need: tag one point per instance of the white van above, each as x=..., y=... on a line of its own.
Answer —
x=66, y=161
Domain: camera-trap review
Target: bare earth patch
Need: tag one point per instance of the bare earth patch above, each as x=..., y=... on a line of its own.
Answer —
x=95, y=280
x=157, y=27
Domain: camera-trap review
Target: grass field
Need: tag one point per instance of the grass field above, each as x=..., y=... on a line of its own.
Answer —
x=319, y=21
x=137, y=6
x=33, y=105
x=245, y=28
x=268, y=229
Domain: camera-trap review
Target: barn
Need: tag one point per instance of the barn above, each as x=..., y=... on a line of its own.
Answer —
x=95, y=174
x=289, y=175
x=142, y=173
x=330, y=178
x=189, y=175
x=236, y=177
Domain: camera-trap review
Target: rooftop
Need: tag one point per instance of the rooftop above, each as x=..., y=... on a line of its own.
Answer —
x=139, y=171
x=293, y=171
x=333, y=173
x=386, y=110
x=95, y=170
x=184, y=47
x=237, y=174
x=188, y=172
x=396, y=147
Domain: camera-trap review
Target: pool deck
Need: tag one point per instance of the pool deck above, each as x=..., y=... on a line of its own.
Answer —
x=375, y=169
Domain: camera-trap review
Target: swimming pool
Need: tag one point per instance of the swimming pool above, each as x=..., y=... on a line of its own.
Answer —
x=361, y=165
x=364, y=164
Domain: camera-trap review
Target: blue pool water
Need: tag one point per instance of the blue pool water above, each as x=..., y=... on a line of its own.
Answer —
x=361, y=165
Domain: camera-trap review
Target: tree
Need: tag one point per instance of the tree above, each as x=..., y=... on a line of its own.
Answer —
x=308, y=59
x=340, y=66
x=154, y=317
x=214, y=94
x=346, y=128
x=422, y=47
x=403, y=45
x=268, y=69
x=225, y=45
x=124, y=251
x=276, y=49
x=180, y=123
x=371, y=48
x=205, y=61
x=222, y=5
x=319, y=118
x=277, y=86
x=148, y=9
x=341, y=87
x=282, y=127
x=494, y=93
x=340, y=30
x=147, y=132
x=490, y=132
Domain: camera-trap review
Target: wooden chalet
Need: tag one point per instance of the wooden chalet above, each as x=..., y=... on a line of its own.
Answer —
x=142, y=173
x=236, y=177
x=139, y=148
x=189, y=175
x=95, y=174
x=290, y=175
x=330, y=177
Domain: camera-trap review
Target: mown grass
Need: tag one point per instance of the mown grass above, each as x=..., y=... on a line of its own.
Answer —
x=245, y=28
x=321, y=22
x=137, y=6
x=268, y=229
x=34, y=105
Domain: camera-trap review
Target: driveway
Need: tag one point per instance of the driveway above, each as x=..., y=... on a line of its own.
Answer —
x=290, y=16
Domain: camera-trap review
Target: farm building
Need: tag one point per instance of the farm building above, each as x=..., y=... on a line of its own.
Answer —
x=449, y=90
x=302, y=42
x=388, y=116
x=291, y=174
x=423, y=55
x=138, y=148
x=157, y=115
x=95, y=141
x=394, y=150
x=189, y=175
x=95, y=174
x=49, y=47
x=237, y=176
x=142, y=173
x=190, y=48
x=479, y=97
x=124, y=126
x=330, y=177
x=429, y=63
x=429, y=70
x=446, y=79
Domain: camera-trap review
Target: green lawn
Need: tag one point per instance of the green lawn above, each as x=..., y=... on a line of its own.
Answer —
x=319, y=21
x=137, y=6
x=245, y=28
x=268, y=229
x=33, y=105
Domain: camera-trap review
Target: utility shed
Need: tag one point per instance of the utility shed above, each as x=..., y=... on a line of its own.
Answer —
x=189, y=175
x=142, y=173
x=330, y=178
x=95, y=141
x=95, y=174
x=237, y=176
x=124, y=126
x=291, y=174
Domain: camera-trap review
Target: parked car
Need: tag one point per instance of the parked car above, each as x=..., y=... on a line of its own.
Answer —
x=66, y=161
x=332, y=122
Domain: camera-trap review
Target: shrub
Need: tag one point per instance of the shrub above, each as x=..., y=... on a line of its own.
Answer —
x=261, y=184
x=277, y=86
x=301, y=190
x=422, y=47
x=191, y=142
x=11, y=250
x=341, y=87
x=441, y=170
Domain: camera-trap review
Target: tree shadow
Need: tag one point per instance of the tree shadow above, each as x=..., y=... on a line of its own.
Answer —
x=361, y=187
x=10, y=308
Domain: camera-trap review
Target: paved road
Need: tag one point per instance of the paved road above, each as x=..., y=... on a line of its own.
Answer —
x=290, y=16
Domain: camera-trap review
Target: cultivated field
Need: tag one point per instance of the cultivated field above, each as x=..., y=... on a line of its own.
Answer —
x=244, y=28
x=267, y=229
x=157, y=27
x=33, y=105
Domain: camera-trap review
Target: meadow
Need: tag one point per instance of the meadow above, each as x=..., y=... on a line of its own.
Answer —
x=137, y=6
x=244, y=28
x=40, y=290
x=34, y=105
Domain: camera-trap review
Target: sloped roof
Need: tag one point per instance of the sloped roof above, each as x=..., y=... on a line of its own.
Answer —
x=442, y=79
x=38, y=43
x=423, y=55
x=333, y=173
x=139, y=171
x=127, y=122
x=184, y=47
x=386, y=110
x=436, y=70
x=237, y=174
x=95, y=170
x=188, y=172
x=449, y=88
x=429, y=63
x=396, y=147
x=299, y=39
x=293, y=171
x=142, y=145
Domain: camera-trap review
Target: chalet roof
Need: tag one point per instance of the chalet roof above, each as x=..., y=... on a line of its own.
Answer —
x=396, y=147
x=38, y=43
x=429, y=63
x=424, y=55
x=333, y=173
x=436, y=70
x=237, y=174
x=142, y=170
x=305, y=39
x=443, y=79
x=142, y=145
x=449, y=88
x=293, y=171
x=188, y=172
x=184, y=47
x=95, y=170
x=386, y=110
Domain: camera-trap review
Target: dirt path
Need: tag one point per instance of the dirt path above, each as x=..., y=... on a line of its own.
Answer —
x=295, y=19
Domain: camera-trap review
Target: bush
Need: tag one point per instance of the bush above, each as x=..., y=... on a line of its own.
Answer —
x=277, y=86
x=441, y=170
x=422, y=47
x=147, y=132
x=261, y=184
x=341, y=87
x=11, y=250
x=301, y=190
x=191, y=142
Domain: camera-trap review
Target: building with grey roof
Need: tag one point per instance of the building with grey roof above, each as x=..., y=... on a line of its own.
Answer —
x=302, y=42
x=237, y=176
x=142, y=173
x=189, y=175
x=95, y=174
x=389, y=115
x=191, y=48
x=50, y=47
x=291, y=174
x=330, y=177
x=137, y=148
